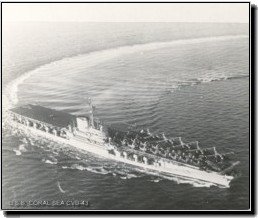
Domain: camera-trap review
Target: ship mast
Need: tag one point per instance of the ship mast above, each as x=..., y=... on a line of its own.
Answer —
x=92, y=113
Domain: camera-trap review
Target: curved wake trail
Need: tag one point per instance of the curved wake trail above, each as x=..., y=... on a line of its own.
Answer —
x=10, y=93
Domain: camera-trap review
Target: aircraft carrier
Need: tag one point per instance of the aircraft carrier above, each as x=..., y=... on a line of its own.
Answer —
x=155, y=153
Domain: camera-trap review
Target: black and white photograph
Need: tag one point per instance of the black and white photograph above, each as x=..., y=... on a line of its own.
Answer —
x=126, y=106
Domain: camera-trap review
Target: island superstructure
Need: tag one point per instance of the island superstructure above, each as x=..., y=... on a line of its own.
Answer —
x=155, y=153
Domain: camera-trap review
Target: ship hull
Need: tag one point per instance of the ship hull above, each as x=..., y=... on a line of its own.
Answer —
x=178, y=170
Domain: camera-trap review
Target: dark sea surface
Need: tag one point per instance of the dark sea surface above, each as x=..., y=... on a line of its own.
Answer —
x=188, y=80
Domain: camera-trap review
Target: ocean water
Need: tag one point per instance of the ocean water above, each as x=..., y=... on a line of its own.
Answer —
x=181, y=79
